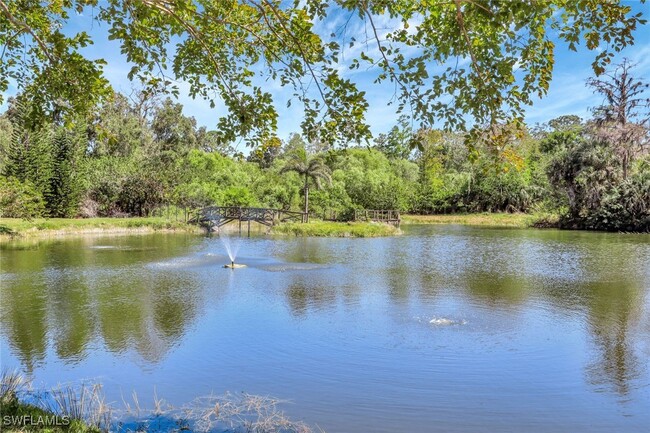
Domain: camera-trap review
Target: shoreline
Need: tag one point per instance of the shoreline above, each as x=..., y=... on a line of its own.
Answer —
x=505, y=220
x=12, y=229
x=330, y=229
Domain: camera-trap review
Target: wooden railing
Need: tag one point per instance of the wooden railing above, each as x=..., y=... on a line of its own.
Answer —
x=388, y=216
x=217, y=216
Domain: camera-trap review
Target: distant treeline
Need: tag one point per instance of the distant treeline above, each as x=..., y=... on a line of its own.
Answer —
x=139, y=153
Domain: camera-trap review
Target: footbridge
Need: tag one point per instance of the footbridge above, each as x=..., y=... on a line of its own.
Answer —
x=216, y=216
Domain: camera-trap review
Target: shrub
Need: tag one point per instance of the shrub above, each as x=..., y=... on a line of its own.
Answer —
x=20, y=199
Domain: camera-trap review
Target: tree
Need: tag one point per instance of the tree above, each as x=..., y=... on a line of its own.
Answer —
x=266, y=153
x=65, y=184
x=174, y=132
x=118, y=130
x=45, y=62
x=496, y=56
x=19, y=199
x=313, y=168
x=563, y=123
x=399, y=142
x=623, y=119
x=29, y=158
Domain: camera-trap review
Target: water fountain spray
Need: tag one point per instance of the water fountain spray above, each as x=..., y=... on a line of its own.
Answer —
x=231, y=248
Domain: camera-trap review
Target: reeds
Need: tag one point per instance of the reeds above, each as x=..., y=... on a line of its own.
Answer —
x=85, y=403
x=11, y=382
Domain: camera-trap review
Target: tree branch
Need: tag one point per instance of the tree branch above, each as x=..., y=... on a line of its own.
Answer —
x=26, y=28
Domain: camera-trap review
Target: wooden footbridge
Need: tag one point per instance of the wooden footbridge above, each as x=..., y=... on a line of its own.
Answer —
x=387, y=216
x=213, y=217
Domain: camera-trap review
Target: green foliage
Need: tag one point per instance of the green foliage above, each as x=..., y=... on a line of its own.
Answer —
x=456, y=179
x=265, y=154
x=118, y=129
x=217, y=47
x=66, y=182
x=373, y=182
x=138, y=155
x=19, y=199
x=399, y=142
x=140, y=194
x=29, y=158
x=49, y=159
x=599, y=197
x=107, y=178
x=45, y=61
x=310, y=169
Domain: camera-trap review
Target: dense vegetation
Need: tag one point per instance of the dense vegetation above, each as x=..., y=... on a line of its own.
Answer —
x=139, y=155
x=491, y=57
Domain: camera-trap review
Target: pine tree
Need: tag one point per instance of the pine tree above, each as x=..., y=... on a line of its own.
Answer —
x=65, y=184
x=29, y=158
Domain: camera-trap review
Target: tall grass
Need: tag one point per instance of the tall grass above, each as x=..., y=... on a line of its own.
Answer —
x=10, y=383
x=336, y=229
x=86, y=407
x=84, y=403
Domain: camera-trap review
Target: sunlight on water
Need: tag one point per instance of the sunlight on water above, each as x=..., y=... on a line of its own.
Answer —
x=444, y=321
x=452, y=327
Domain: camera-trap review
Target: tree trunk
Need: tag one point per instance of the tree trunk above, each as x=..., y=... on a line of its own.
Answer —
x=306, y=197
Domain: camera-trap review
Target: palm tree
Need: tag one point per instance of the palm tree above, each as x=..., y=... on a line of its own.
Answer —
x=311, y=168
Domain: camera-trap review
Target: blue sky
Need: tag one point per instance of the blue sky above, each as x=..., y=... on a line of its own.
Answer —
x=567, y=95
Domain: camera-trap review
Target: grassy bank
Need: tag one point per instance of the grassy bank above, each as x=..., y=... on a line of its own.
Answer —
x=17, y=416
x=336, y=229
x=83, y=408
x=514, y=220
x=12, y=227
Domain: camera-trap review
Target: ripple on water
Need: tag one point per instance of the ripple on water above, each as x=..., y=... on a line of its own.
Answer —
x=293, y=267
x=445, y=321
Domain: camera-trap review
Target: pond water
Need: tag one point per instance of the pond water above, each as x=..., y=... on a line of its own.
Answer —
x=446, y=328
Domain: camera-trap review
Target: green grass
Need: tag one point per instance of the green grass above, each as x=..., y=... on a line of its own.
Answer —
x=14, y=416
x=10, y=227
x=515, y=220
x=336, y=229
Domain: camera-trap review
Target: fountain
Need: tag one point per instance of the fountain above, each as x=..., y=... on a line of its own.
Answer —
x=232, y=250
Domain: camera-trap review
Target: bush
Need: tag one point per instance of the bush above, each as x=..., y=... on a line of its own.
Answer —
x=19, y=199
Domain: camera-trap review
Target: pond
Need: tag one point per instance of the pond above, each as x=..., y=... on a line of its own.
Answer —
x=446, y=328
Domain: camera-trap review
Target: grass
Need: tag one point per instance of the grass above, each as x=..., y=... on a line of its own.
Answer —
x=11, y=227
x=61, y=411
x=513, y=220
x=336, y=229
x=82, y=409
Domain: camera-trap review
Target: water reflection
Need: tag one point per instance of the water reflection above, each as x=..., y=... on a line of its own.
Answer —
x=613, y=312
x=70, y=296
x=547, y=316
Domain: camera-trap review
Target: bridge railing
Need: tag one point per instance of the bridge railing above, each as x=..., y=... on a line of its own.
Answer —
x=265, y=216
x=389, y=216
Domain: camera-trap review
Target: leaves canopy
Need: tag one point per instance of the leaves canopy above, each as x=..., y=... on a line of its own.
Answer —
x=460, y=63
x=310, y=167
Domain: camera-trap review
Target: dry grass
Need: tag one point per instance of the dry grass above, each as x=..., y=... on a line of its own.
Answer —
x=243, y=412
x=515, y=220
x=85, y=404
x=11, y=382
